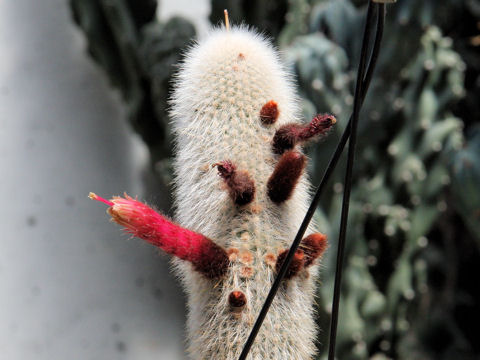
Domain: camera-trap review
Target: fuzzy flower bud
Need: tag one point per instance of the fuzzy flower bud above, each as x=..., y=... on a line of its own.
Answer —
x=289, y=135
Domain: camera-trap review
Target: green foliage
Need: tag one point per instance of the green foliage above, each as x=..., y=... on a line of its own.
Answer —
x=465, y=167
x=407, y=137
x=268, y=16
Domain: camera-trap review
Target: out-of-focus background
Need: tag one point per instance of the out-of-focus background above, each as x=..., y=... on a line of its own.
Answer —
x=72, y=286
x=83, y=90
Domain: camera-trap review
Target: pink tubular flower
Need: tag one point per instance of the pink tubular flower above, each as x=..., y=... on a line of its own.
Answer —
x=143, y=222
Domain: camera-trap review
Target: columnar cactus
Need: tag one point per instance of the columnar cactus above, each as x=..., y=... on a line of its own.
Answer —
x=232, y=97
x=240, y=187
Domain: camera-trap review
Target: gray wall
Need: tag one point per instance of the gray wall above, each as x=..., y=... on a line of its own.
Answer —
x=72, y=286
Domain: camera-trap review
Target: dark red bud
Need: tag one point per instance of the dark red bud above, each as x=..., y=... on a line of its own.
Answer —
x=284, y=178
x=289, y=135
x=241, y=186
x=296, y=264
x=314, y=246
x=269, y=113
x=237, y=299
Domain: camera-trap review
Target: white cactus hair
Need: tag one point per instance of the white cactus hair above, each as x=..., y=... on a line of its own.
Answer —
x=220, y=89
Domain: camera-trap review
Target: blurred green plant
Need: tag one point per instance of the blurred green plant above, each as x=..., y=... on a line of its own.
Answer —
x=268, y=16
x=465, y=167
x=408, y=155
x=138, y=54
x=409, y=290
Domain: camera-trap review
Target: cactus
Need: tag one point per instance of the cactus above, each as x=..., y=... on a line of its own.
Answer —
x=234, y=107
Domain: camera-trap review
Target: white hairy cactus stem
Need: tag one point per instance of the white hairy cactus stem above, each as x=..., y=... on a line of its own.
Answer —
x=231, y=95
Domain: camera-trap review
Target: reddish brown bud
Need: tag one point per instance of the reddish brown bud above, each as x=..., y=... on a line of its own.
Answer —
x=269, y=113
x=241, y=187
x=296, y=265
x=212, y=261
x=319, y=125
x=314, y=246
x=284, y=178
x=226, y=169
x=237, y=299
x=287, y=136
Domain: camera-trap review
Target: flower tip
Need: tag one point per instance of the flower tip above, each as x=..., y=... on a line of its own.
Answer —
x=94, y=196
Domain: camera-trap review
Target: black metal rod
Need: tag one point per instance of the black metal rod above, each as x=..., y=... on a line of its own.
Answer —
x=311, y=210
x=348, y=185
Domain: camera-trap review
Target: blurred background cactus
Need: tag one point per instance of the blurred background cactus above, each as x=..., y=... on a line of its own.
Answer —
x=138, y=54
x=413, y=246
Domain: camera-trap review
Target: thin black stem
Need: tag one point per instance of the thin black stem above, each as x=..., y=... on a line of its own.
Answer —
x=365, y=85
x=316, y=199
x=348, y=184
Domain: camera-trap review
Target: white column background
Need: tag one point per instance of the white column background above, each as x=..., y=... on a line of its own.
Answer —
x=72, y=286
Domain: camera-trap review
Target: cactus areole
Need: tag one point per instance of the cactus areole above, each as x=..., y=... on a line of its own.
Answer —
x=240, y=195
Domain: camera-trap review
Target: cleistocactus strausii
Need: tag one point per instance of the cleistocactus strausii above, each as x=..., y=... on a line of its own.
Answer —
x=241, y=189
